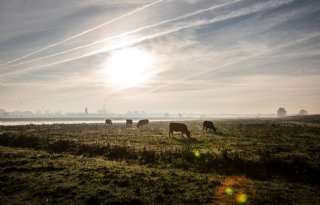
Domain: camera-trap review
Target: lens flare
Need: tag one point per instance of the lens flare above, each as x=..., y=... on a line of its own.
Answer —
x=229, y=191
x=197, y=153
x=235, y=190
x=242, y=198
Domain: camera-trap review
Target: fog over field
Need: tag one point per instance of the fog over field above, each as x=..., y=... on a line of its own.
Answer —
x=194, y=56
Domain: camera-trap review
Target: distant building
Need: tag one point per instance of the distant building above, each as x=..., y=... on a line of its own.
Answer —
x=86, y=111
x=303, y=112
x=282, y=112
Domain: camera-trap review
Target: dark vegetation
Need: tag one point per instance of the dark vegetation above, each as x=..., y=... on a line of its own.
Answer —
x=271, y=161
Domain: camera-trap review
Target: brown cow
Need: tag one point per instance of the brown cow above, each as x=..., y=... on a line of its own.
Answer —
x=128, y=123
x=178, y=127
x=108, y=122
x=141, y=123
x=209, y=125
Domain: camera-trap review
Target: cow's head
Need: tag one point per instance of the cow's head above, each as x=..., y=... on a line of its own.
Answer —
x=188, y=134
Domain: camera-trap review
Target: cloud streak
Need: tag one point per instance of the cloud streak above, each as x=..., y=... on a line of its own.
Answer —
x=234, y=14
x=207, y=56
x=234, y=62
x=86, y=31
x=116, y=36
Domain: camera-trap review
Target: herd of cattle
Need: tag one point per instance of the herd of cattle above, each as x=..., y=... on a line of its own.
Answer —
x=173, y=126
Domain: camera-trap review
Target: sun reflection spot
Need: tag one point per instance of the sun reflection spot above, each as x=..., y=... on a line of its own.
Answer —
x=235, y=190
x=229, y=191
x=242, y=198
x=197, y=153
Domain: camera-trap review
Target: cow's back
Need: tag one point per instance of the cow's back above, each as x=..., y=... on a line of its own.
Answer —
x=177, y=126
x=208, y=124
x=143, y=122
x=129, y=122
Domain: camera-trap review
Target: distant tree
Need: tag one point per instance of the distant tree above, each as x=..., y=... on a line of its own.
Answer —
x=166, y=115
x=303, y=112
x=86, y=111
x=282, y=112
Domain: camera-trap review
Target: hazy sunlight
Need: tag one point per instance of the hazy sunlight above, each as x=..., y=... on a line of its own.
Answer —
x=160, y=101
x=128, y=67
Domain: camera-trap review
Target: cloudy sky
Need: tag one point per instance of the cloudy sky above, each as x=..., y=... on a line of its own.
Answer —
x=202, y=56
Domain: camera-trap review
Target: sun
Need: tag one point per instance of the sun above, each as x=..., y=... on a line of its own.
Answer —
x=128, y=67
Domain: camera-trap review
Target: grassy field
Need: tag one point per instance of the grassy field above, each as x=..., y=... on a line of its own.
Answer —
x=252, y=161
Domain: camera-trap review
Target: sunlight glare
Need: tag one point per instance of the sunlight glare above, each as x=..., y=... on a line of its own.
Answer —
x=128, y=67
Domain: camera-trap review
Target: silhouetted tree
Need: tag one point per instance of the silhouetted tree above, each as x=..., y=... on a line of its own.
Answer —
x=282, y=112
x=303, y=112
x=86, y=111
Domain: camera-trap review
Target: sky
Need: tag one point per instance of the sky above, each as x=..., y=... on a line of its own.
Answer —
x=193, y=56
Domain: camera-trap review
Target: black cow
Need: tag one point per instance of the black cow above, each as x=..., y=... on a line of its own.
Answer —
x=178, y=127
x=209, y=125
x=141, y=123
x=128, y=123
x=108, y=122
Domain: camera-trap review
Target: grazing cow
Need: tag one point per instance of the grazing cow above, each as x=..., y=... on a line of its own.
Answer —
x=141, y=123
x=178, y=127
x=128, y=123
x=209, y=125
x=108, y=122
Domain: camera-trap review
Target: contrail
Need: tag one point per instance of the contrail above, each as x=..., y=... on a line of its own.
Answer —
x=87, y=31
x=234, y=14
x=224, y=66
x=127, y=33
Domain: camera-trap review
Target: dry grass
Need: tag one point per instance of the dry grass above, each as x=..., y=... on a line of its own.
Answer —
x=277, y=161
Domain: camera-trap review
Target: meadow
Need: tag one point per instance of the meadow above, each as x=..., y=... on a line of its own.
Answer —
x=247, y=161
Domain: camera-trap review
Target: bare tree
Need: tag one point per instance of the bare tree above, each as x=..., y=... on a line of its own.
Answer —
x=282, y=112
x=303, y=112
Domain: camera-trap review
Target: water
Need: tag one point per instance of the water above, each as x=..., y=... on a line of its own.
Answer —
x=50, y=121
